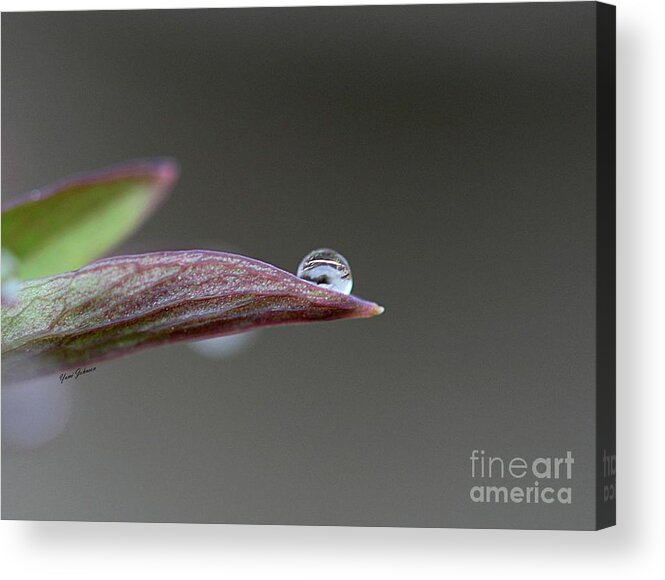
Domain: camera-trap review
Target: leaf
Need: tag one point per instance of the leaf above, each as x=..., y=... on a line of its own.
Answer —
x=67, y=225
x=119, y=305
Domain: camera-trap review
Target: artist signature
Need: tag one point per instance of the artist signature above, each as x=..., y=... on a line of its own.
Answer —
x=76, y=374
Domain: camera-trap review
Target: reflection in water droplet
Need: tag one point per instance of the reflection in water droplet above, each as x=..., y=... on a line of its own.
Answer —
x=34, y=412
x=327, y=268
x=224, y=346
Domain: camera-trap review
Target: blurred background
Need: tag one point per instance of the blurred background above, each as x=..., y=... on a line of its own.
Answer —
x=446, y=151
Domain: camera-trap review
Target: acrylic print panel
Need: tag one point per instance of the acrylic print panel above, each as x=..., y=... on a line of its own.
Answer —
x=446, y=159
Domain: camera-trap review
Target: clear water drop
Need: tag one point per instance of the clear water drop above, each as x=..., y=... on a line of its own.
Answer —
x=327, y=268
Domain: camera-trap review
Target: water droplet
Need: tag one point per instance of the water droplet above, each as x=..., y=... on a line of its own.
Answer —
x=327, y=268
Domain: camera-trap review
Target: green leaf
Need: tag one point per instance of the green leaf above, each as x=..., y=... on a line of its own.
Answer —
x=117, y=306
x=67, y=225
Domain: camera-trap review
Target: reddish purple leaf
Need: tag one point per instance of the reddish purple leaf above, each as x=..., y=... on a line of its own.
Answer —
x=117, y=306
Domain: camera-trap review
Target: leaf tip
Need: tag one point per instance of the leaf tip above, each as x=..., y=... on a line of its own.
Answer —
x=165, y=170
x=367, y=309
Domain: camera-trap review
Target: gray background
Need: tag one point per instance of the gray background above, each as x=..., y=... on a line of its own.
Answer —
x=447, y=151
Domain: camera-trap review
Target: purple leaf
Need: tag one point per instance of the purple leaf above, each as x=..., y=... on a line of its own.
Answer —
x=120, y=305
